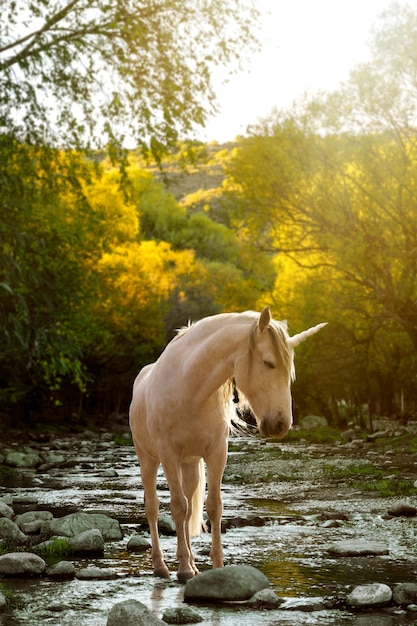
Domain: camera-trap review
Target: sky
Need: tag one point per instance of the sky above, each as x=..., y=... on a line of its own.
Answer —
x=307, y=46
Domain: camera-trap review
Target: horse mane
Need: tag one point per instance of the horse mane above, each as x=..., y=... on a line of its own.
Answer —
x=279, y=339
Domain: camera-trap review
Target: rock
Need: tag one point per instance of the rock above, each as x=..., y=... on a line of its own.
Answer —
x=181, y=615
x=64, y=570
x=357, y=547
x=405, y=593
x=378, y=435
x=76, y=523
x=303, y=604
x=403, y=509
x=231, y=583
x=32, y=516
x=96, y=573
x=132, y=613
x=21, y=564
x=89, y=542
x=109, y=473
x=138, y=544
x=375, y=594
x=53, y=458
x=3, y=602
x=25, y=500
x=10, y=531
x=265, y=599
x=32, y=528
x=6, y=510
x=309, y=422
x=22, y=459
x=166, y=525
x=331, y=523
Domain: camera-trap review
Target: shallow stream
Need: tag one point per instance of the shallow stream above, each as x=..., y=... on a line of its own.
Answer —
x=289, y=491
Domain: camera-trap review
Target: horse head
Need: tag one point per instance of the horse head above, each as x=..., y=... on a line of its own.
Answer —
x=266, y=383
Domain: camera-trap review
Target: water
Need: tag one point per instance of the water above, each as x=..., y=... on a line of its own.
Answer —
x=291, y=549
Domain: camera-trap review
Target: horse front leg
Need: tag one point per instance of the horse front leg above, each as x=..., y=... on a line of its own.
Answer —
x=149, y=470
x=214, y=505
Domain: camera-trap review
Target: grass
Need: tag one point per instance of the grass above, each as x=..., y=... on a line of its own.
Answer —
x=14, y=600
x=55, y=550
x=323, y=434
x=384, y=487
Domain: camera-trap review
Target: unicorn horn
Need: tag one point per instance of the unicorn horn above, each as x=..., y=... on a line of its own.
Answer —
x=300, y=337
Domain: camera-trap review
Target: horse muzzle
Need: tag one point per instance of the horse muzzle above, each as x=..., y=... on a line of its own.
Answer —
x=276, y=427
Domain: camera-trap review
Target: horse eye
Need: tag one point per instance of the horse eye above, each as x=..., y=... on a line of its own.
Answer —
x=270, y=365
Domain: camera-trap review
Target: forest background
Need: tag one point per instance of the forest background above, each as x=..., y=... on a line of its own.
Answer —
x=105, y=251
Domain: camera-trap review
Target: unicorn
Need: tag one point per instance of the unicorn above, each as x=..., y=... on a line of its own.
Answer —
x=180, y=417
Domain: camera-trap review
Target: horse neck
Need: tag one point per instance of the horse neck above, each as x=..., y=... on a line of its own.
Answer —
x=214, y=347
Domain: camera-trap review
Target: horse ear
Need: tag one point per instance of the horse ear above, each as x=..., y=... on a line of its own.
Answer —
x=297, y=339
x=264, y=319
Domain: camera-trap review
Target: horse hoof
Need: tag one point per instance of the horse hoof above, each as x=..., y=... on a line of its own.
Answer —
x=186, y=575
x=161, y=572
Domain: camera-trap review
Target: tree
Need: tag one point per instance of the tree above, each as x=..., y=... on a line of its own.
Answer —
x=332, y=186
x=76, y=73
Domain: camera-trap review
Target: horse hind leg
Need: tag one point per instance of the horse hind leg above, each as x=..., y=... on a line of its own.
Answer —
x=149, y=470
x=193, y=481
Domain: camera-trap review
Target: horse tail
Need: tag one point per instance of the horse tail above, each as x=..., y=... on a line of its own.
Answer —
x=196, y=523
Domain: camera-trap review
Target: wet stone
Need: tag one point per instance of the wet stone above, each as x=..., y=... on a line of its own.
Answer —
x=88, y=542
x=308, y=605
x=9, y=530
x=266, y=599
x=6, y=510
x=96, y=573
x=64, y=570
x=32, y=516
x=21, y=564
x=375, y=594
x=132, y=613
x=75, y=523
x=138, y=544
x=227, y=584
x=403, y=509
x=357, y=547
x=181, y=615
x=22, y=459
x=405, y=593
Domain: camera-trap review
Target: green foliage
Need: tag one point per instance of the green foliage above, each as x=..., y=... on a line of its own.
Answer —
x=83, y=77
x=330, y=188
x=54, y=550
x=323, y=434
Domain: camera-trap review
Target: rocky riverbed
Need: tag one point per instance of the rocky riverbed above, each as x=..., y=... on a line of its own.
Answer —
x=331, y=527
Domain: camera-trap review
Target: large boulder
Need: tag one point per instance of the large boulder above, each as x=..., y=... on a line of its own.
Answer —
x=76, y=523
x=10, y=531
x=89, y=542
x=227, y=584
x=21, y=564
